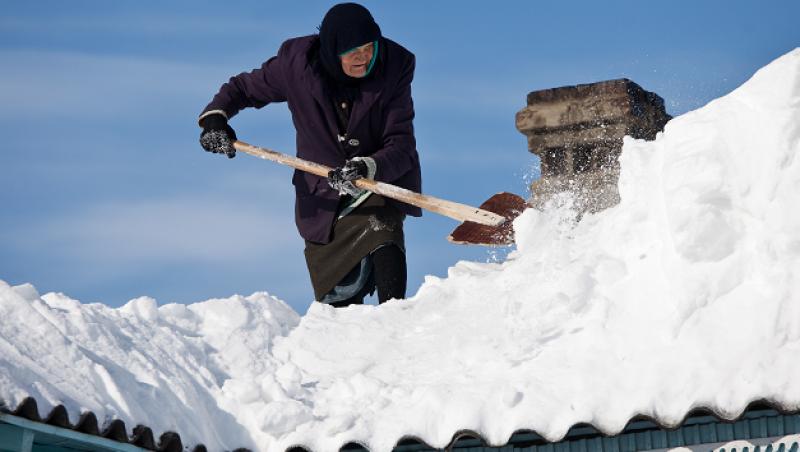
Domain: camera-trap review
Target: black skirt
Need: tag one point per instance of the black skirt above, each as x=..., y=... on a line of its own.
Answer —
x=369, y=226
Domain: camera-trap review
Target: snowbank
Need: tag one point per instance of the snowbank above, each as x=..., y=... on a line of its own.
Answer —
x=686, y=294
x=165, y=367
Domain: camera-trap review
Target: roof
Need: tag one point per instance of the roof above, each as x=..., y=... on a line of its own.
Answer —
x=761, y=420
x=87, y=426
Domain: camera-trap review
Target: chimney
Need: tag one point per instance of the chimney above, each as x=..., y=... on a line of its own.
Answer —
x=577, y=133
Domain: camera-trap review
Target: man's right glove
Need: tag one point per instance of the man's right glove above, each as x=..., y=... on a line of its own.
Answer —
x=217, y=135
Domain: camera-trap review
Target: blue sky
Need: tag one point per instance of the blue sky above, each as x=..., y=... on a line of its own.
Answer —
x=106, y=194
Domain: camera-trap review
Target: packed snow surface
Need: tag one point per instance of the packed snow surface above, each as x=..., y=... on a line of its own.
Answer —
x=686, y=294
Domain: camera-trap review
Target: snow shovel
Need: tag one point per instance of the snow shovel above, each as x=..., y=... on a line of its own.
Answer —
x=488, y=225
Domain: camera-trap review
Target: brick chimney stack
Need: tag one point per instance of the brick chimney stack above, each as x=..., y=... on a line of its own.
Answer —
x=577, y=133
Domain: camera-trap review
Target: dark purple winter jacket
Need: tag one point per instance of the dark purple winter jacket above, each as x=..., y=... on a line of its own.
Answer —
x=381, y=122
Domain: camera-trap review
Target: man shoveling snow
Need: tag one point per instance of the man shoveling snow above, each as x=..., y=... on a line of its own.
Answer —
x=349, y=91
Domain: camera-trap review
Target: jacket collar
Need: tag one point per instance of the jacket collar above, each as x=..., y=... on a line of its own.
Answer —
x=370, y=92
x=315, y=84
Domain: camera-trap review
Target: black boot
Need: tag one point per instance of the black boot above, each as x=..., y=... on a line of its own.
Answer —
x=389, y=271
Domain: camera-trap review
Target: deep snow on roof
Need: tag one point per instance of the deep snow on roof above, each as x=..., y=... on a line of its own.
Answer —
x=684, y=295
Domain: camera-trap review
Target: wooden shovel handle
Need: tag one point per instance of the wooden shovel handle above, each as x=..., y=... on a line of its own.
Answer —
x=457, y=211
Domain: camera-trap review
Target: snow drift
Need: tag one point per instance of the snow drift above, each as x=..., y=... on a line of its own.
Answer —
x=686, y=294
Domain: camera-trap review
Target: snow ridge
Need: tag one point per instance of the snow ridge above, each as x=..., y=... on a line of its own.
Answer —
x=684, y=295
x=165, y=367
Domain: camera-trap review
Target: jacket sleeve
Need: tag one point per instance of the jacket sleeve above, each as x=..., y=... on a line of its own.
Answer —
x=256, y=88
x=399, y=152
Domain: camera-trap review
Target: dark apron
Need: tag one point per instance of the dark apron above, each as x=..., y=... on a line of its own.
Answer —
x=372, y=224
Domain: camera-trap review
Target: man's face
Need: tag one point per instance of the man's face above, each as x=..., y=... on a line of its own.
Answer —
x=355, y=62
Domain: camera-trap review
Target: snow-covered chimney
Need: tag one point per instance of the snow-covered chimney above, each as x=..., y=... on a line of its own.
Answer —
x=577, y=133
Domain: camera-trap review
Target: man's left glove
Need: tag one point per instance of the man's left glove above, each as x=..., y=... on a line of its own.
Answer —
x=217, y=135
x=341, y=178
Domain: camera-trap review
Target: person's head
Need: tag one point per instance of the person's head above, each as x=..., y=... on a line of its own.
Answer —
x=358, y=62
x=349, y=40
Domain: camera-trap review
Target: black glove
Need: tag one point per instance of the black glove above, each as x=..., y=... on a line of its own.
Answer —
x=217, y=135
x=340, y=179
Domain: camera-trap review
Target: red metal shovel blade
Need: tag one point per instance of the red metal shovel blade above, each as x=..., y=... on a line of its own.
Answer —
x=507, y=205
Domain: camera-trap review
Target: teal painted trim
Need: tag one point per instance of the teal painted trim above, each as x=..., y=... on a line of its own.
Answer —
x=47, y=437
x=27, y=441
x=15, y=439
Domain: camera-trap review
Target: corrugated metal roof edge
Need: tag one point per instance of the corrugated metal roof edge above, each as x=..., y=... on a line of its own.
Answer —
x=585, y=430
x=115, y=430
x=142, y=436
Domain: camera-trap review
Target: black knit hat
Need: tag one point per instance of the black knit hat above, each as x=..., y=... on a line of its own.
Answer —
x=345, y=27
